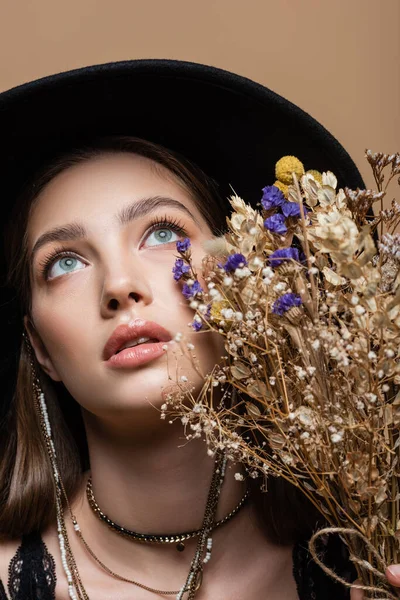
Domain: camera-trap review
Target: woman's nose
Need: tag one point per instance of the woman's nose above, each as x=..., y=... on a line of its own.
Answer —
x=124, y=288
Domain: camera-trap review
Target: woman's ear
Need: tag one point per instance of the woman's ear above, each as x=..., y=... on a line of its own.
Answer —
x=42, y=356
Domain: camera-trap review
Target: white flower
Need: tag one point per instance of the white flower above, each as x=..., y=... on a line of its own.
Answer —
x=184, y=378
x=337, y=437
x=256, y=262
x=190, y=346
x=178, y=337
x=227, y=313
x=243, y=272
x=215, y=294
x=239, y=316
x=371, y=397
x=227, y=281
x=372, y=355
x=267, y=274
x=239, y=477
x=280, y=286
x=359, y=310
x=194, y=304
x=316, y=344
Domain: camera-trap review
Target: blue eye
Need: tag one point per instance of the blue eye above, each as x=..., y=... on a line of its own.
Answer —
x=160, y=233
x=66, y=264
x=162, y=236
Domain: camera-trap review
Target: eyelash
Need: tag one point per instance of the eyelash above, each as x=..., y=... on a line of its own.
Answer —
x=60, y=252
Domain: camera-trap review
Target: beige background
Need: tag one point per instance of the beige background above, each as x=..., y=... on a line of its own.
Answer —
x=337, y=59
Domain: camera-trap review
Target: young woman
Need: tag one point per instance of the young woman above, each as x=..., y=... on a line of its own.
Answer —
x=96, y=331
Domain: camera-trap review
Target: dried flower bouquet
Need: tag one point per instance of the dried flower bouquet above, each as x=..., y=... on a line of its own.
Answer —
x=308, y=303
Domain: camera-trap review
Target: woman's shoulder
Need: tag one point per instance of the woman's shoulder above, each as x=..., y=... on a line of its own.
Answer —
x=27, y=569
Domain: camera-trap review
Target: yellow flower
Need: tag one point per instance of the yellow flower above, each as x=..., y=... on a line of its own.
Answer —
x=285, y=166
x=316, y=174
x=216, y=308
x=283, y=187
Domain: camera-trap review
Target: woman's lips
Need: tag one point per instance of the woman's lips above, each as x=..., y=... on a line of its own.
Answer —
x=138, y=355
x=136, y=329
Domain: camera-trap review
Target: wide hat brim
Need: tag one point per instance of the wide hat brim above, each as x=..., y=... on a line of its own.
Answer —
x=230, y=126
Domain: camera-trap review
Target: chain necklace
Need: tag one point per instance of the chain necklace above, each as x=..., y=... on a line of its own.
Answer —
x=192, y=583
x=76, y=589
x=176, y=538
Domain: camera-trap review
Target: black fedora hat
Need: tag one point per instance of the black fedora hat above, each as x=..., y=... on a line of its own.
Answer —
x=230, y=126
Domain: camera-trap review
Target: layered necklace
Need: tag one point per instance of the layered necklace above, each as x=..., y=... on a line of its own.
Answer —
x=202, y=555
x=153, y=538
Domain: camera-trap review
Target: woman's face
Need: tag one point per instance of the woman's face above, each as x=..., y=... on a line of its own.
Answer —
x=115, y=275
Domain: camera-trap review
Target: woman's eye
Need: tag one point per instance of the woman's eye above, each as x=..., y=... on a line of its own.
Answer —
x=63, y=265
x=162, y=235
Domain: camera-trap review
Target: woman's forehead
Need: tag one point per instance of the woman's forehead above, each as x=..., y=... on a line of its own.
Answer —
x=98, y=188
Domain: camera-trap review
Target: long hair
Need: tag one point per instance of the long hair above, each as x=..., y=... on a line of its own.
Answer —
x=26, y=480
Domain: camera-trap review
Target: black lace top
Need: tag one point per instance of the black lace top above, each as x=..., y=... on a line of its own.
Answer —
x=31, y=573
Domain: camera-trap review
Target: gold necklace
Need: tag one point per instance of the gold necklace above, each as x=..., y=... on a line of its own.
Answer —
x=175, y=538
x=212, y=502
x=197, y=569
x=76, y=589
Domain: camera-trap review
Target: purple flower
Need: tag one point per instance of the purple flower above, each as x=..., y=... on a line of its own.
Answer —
x=292, y=209
x=276, y=224
x=277, y=257
x=272, y=197
x=197, y=325
x=234, y=261
x=282, y=304
x=190, y=291
x=180, y=269
x=183, y=245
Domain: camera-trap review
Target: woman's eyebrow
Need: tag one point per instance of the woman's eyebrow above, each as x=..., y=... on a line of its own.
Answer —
x=136, y=210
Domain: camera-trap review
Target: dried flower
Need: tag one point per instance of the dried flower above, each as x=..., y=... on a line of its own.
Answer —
x=234, y=261
x=311, y=335
x=285, y=302
x=272, y=197
x=286, y=166
x=292, y=209
x=183, y=245
x=276, y=224
x=191, y=290
x=179, y=269
x=279, y=256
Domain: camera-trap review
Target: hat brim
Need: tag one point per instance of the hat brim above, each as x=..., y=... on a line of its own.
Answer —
x=231, y=127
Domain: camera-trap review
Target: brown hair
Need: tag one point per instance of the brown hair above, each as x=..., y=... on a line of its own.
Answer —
x=26, y=481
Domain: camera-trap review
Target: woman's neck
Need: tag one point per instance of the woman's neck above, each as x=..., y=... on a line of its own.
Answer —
x=149, y=479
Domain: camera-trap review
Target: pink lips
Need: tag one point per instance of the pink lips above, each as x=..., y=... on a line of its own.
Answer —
x=140, y=354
